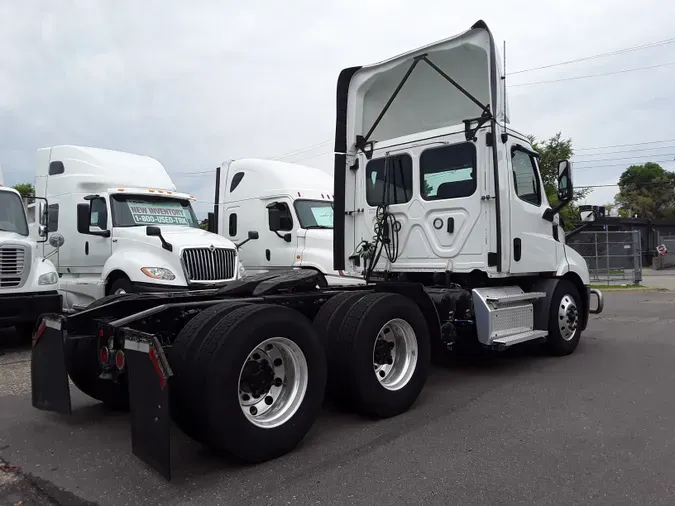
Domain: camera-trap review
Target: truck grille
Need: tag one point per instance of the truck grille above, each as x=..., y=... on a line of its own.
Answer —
x=206, y=264
x=12, y=261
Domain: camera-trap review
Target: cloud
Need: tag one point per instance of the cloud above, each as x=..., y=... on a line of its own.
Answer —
x=192, y=84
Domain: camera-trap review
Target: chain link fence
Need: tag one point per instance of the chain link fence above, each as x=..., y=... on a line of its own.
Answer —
x=613, y=258
x=667, y=260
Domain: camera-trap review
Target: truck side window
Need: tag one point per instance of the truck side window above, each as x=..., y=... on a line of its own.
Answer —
x=233, y=224
x=286, y=216
x=397, y=171
x=448, y=172
x=56, y=168
x=525, y=180
x=236, y=179
x=99, y=214
x=53, y=224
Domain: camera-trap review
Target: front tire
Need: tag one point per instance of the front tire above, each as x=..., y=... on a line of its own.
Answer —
x=120, y=286
x=564, y=329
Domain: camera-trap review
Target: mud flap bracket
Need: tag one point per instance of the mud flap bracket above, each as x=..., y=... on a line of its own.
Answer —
x=148, y=373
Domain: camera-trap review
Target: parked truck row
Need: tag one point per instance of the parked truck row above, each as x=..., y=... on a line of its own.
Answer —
x=437, y=202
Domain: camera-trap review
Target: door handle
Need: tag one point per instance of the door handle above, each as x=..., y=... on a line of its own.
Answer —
x=451, y=225
x=517, y=249
x=86, y=247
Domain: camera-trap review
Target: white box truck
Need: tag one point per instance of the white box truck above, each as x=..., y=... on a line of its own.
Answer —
x=444, y=208
x=28, y=282
x=291, y=207
x=125, y=226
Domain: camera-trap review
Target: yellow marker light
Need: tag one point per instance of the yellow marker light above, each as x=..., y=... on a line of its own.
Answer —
x=120, y=189
x=151, y=191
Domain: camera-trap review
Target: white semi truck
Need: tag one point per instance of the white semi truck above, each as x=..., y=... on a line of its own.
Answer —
x=440, y=203
x=28, y=282
x=291, y=207
x=125, y=226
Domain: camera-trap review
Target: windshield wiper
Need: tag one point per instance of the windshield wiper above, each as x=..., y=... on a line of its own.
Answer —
x=309, y=227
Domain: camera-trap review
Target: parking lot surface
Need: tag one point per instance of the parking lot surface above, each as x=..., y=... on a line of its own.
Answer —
x=597, y=427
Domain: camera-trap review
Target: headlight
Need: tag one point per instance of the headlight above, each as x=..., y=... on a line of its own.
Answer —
x=49, y=278
x=158, y=273
x=242, y=271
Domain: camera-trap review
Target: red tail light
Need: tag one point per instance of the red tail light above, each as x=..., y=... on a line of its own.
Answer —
x=104, y=355
x=119, y=360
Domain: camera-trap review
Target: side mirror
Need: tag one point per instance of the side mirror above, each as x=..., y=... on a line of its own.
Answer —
x=252, y=236
x=56, y=240
x=83, y=218
x=565, y=186
x=274, y=218
x=152, y=231
x=287, y=237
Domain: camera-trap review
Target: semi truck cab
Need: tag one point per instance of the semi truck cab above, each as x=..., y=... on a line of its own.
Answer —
x=126, y=228
x=290, y=205
x=28, y=282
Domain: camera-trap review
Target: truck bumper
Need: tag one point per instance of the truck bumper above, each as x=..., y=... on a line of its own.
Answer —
x=154, y=288
x=601, y=301
x=27, y=307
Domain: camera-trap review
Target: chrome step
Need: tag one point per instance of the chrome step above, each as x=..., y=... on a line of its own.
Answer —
x=499, y=300
x=522, y=337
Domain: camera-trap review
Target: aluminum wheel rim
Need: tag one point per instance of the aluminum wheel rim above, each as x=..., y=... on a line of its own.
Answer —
x=568, y=317
x=120, y=291
x=395, y=354
x=270, y=403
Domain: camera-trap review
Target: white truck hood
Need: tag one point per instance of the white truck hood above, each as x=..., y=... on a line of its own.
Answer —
x=180, y=237
x=14, y=237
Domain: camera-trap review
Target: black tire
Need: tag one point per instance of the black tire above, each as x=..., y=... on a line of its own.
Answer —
x=120, y=284
x=555, y=343
x=184, y=411
x=225, y=350
x=351, y=358
x=327, y=325
x=82, y=364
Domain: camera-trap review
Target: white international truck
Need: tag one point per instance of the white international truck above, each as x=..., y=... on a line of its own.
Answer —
x=440, y=203
x=28, y=282
x=291, y=207
x=125, y=226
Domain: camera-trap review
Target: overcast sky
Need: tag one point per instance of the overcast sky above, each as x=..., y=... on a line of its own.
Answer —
x=195, y=83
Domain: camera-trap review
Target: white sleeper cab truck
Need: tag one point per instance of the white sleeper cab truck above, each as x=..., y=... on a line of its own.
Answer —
x=126, y=229
x=437, y=200
x=28, y=282
x=291, y=207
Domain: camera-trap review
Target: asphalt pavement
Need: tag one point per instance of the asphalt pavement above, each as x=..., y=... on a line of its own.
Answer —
x=597, y=427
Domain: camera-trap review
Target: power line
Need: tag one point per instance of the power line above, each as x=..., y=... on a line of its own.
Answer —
x=622, y=158
x=624, y=145
x=591, y=75
x=596, y=56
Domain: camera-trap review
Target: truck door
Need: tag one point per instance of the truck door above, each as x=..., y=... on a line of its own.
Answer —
x=533, y=246
x=433, y=192
x=97, y=249
x=280, y=236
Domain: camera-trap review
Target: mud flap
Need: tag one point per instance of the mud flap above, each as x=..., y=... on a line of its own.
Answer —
x=148, y=374
x=48, y=374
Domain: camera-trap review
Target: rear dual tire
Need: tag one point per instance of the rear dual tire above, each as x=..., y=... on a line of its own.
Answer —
x=254, y=382
x=378, y=351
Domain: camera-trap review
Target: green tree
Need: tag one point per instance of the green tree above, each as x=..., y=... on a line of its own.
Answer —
x=25, y=189
x=204, y=224
x=647, y=190
x=551, y=151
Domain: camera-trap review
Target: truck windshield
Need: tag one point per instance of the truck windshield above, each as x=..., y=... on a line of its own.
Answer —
x=12, y=214
x=314, y=213
x=140, y=210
